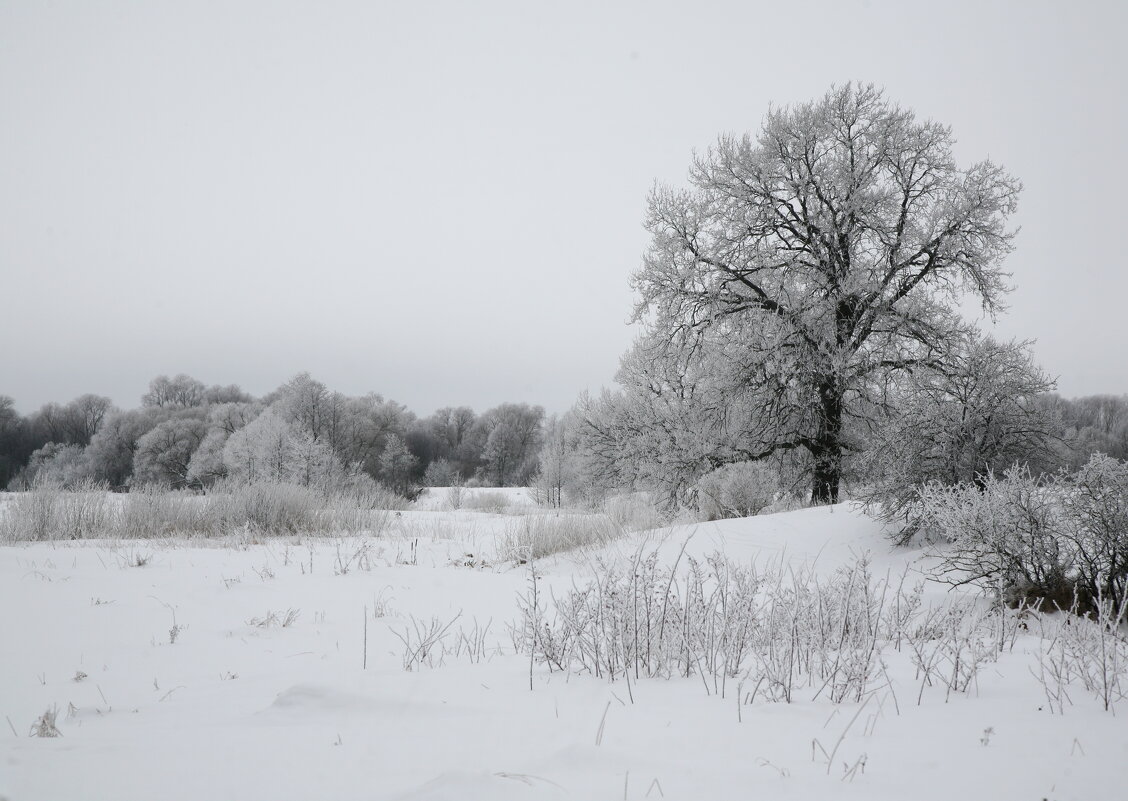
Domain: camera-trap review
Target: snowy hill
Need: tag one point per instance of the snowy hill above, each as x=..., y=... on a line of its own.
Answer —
x=276, y=670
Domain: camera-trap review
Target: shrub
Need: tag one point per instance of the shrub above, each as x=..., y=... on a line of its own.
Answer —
x=441, y=473
x=1004, y=536
x=268, y=507
x=495, y=502
x=536, y=536
x=742, y=489
x=1095, y=502
x=636, y=511
x=48, y=512
x=1060, y=540
x=32, y=515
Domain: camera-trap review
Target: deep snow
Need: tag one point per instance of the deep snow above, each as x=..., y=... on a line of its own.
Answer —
x=232, y=709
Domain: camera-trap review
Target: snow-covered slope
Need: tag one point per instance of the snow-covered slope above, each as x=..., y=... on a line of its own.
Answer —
x=241, y=706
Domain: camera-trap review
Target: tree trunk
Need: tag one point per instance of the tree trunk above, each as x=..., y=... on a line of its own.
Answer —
x=827, y=448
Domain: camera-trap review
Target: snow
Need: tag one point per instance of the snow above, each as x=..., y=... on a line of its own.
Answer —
x=237, y=710
x=513, y=498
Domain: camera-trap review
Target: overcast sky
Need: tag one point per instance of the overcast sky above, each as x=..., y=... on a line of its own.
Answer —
x=442, y=201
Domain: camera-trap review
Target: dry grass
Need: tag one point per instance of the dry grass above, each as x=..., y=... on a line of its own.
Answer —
x=258, y=510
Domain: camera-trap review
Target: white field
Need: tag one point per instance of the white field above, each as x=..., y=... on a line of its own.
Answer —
x=237, y=710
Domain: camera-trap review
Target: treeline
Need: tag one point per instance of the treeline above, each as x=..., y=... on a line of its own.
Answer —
x=187, y=435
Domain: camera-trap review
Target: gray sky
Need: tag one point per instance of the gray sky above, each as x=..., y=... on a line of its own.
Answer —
x=442, y=201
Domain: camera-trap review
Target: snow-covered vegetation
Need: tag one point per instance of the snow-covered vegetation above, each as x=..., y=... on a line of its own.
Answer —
x=790, y=655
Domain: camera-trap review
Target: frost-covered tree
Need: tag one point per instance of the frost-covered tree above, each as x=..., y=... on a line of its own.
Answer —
x=556, y=460
x=55, y=465
x=231, y=393
x=397, y=465
x=973, y=413
x=512, y=442
x=365, y=426
x=16, y=440
x=356, y=429
x=1093, y=424
x=111, y=451
x=831, y=249
x=441, y=473
x=447, y=436
x=678, y=415
x=305, y=402
x=260, y=451
x=74, y=423
x=272, y=449
x=224, y=419
x=163, y=455
x=181, y=391
x=85, y=415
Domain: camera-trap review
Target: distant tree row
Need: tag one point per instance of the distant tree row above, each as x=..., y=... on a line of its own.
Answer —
x=186, y=434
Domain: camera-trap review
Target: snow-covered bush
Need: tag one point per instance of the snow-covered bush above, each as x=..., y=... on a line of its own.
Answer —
x=1095, y=501
x=48, y=512
x=737, y=490
x=493, y=502
x=441, y=473
x=1061, y=540
x=63, y=466
x=1005, y=535
x=635, y=511
x=32, y=515
x=275, y=508
x=536, y=536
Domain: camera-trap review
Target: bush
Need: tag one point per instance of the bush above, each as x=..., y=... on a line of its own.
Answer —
x=441, y=473
x=1060, y=540
x=495, y=502
x=537, y=536
x=637, y=511
x=737, y=490
x=1096, y=525
x=1003, y=536
x=31, y=515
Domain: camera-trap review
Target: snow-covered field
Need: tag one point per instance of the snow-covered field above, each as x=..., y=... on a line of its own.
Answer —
x=212, y=670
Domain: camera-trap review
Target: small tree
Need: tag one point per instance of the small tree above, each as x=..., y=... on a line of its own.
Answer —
x=397, y=465
x=441, y=473
x=556, y=464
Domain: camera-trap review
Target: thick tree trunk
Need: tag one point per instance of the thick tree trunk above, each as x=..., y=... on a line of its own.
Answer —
x=827, y=448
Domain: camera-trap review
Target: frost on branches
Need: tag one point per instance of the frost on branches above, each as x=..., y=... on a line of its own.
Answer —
x=801, y=268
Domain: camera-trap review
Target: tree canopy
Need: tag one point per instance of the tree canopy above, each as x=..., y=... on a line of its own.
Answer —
x=812, y=262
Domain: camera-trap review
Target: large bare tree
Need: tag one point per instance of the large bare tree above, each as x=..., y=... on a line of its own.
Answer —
x=824, y=253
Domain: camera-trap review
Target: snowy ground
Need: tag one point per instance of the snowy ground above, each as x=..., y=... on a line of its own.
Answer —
x=241, y=706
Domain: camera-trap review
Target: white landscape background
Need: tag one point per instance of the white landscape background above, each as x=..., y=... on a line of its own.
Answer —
x=592, y=401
